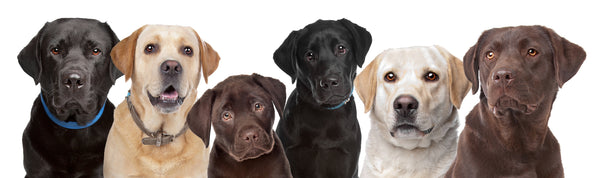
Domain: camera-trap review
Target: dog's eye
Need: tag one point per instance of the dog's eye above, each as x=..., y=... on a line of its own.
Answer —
x=430, y=77
x=532, y=52
x=227, y=116
x=149, y=49
x=187, y=51
x=490, y=55
x=258, y=107
x=310, y=56
x=96, y=51
x=55, y=51
x=390, y=77
x=341, y=50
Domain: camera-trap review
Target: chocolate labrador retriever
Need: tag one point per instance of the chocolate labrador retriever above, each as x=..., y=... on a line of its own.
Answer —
x=241, y=111
x=507, y=134
x=319, y=129
x=70, y=119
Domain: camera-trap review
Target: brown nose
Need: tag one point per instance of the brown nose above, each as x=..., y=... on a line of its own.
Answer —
x=504, y=77
x=250, y=136
x=170, y=67
x=405, y=105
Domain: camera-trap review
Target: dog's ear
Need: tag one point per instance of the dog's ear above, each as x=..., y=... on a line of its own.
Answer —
x=30, y=58
x=113, y=71
x=123, y=54
x=568, y=56
x=457, y=81
x=366, y=83
x=285, y=55
x=275, y=88
x=199, y=117
x=209, y=58
x=362, y=40
x=471, y=63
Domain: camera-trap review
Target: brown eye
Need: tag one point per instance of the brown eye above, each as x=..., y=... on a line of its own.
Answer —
x=532, y=52
x=149, y=49
x=227, y=116
x=310, y=56
x=390, y=77
x=55, y=51
x=187, y=51
x=96, y=51
x=430, y=77
x=490, y=55
x=258, y=107
x=341, y=50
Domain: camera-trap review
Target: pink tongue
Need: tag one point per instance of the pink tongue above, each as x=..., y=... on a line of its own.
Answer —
x=170, y=95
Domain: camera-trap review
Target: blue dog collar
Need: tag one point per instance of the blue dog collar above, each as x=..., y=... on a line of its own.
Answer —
x=71, y=125
x=343, y=103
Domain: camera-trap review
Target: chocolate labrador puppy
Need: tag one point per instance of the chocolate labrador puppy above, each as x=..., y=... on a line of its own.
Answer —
x=507, y=134
x=319, y=129
x=70, y=119
x=241, y=111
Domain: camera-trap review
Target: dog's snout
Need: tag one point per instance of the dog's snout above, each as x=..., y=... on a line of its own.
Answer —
x=405, y=105
x=171, y=67
x=250, y=135
x=503, y=77
x=73, y=80
x=329, y=82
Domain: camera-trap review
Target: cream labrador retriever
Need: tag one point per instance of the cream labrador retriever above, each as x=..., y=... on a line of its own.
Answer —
x=414, y=94
x=150, y=136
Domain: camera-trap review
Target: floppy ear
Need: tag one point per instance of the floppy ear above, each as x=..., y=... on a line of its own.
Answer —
x=457, y=81
x=568, y=57
x=471, y=64
x=113, y=71
x=123, y=54
x=30, y=58
x=285, y=55
x=366, y=83
x=362, y=40
x=275, y=88
x=199, y=117
x=209, y=58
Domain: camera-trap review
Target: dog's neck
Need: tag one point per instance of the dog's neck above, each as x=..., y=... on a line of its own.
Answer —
x=516, y=131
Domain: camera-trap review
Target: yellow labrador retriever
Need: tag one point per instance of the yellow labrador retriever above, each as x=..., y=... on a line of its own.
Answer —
x=414, y=94
x=150, y=137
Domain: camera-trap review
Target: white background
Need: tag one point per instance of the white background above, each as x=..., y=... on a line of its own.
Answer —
x=246, y=33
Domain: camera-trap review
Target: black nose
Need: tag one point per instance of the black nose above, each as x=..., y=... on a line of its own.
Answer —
x=329, y=82
x=250, y=136
x=73, y=80
x=170, y=67
x=405, y=105
x=503, y=76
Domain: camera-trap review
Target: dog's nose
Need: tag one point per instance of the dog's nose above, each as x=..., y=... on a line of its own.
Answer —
x=405, y=105
x=329, y=82
x=73, y=80
x=250, y=136
x=503, y=76
x=171, y=67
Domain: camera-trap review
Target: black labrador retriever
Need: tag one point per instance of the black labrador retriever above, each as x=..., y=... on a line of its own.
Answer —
x=319, y=130
x=71, y=117
x=241, y=111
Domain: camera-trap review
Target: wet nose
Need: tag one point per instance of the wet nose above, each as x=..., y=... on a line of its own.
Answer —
x=73, y=80
x=329, y=82
x=503, y=77
x=171, y=67
x=405, y=105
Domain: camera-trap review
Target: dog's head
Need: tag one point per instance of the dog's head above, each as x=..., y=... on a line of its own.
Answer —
x=164, y=63
x=323, y=57
x=521, y=67
x=241, y=110
x=413, y=92
x=70, y=58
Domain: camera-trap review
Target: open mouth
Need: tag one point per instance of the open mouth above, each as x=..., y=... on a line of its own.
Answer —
x=408, y=130
x=169, y=98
